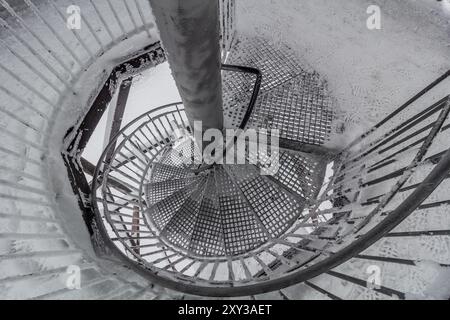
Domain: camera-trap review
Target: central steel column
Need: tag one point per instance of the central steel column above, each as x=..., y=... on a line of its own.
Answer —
x=189, y=31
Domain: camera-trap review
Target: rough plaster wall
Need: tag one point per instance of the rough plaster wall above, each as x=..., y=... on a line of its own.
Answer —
x=49, y=75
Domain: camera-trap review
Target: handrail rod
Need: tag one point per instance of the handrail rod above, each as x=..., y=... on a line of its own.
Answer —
x=396, y=112
x=256, y=89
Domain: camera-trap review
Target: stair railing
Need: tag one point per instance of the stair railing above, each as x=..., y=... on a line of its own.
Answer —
x=377, y=185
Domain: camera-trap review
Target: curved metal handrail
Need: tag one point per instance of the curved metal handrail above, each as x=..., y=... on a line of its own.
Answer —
x=256, y=89
x=396, y=112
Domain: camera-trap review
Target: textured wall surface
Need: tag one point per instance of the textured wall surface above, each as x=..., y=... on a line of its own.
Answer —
x=49, y=75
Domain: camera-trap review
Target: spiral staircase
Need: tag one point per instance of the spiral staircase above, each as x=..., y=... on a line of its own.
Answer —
x=154, y=226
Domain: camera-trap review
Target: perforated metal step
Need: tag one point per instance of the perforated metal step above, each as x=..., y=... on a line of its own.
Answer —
x=208, y=236
x=274, y=208
x=292, y=99
x=163, y=211
x=229, y=209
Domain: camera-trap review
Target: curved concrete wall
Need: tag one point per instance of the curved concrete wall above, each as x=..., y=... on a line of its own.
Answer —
x=49, y=75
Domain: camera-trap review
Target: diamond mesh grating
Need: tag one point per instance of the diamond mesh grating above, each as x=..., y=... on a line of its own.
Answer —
x=273, y=206
x=163, y=211
x=182, y=153
x=179, y=229
x=242, y=232
x=300, y=174
x=297, y=173
x=161, y=190
x=291, y=99
x=162, y=172
x=278, y=64
x=208, y=236
x=300, y=109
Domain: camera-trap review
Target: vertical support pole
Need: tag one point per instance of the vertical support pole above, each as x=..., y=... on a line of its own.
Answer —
x=116, y=122
x=190, y=34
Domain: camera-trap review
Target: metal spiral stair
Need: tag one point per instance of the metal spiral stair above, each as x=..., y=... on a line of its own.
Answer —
x=230, y=231
x=388, y=193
